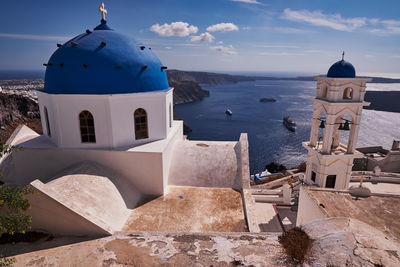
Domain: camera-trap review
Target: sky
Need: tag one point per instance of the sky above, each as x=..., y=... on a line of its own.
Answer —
x=291, y=36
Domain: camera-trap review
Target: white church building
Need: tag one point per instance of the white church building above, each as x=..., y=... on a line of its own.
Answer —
x=109, y=140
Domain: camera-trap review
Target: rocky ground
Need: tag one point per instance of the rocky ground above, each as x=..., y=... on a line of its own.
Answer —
x=335, y=242
x=16, y=110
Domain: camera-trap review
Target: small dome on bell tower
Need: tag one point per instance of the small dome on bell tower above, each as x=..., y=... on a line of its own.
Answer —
x=341, y=69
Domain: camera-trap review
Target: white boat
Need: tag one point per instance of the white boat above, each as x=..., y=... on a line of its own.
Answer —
x=228, y=112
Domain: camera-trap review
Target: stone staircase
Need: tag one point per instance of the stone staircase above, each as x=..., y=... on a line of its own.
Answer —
x=267, y=196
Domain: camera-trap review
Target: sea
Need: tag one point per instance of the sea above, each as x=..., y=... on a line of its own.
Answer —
x=268, y=139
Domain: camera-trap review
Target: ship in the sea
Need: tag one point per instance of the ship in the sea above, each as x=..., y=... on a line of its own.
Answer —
x=289, y=124
x=228, y=112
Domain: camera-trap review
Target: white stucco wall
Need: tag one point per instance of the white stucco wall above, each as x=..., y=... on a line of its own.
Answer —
x=336, y=87
x=308, y=210
x=142, y=166
x=204, y=164
x=324, y=165
x=142, y=169
x=113, y=118
x=51, y=215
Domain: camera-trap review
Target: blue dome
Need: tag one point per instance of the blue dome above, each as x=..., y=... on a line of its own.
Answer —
x=104, y=62
x=341, y=69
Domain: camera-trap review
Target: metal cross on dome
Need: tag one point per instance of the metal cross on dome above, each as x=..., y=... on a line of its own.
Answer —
x=103, y=11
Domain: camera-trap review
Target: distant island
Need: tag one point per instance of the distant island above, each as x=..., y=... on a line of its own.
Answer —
x=210, y=78
x=383, y=100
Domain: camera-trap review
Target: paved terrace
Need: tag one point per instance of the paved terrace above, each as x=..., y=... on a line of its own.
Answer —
x=190, y=209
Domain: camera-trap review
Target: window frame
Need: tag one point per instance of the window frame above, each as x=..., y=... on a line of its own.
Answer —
x=46, y=116
x=140, y=122
x=87, y=127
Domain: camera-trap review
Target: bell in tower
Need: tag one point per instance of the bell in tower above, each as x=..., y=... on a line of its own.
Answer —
x=335, y=124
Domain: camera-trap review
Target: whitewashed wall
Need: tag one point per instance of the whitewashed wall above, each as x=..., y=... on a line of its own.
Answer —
x=308, y=210
x=113, y=118
x=146, y=167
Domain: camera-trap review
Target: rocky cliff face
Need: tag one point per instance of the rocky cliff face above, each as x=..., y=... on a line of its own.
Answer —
x=16, y=110
x=207, y=78
x=187, y=91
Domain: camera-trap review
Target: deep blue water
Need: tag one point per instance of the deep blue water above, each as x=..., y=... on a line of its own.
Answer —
x=269, y=140
x=21, y=74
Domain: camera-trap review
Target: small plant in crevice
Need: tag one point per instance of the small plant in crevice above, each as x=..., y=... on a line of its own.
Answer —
x=296, y=244
x=6, y=262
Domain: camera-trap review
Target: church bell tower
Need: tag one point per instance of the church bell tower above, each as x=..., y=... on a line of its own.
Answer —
x=335, y=124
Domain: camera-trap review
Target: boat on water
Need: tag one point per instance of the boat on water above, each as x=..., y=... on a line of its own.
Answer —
x=289, y=124
x=228, y=112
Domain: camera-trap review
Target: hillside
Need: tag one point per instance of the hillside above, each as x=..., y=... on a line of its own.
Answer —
x=16, y=110
x=210, y=78
x=187, y=91
x=383, y=100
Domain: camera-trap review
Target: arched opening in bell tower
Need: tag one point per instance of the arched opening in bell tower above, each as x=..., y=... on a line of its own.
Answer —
x=341, y=134
x=325, y=91
x=348, y=93
x=321, y=129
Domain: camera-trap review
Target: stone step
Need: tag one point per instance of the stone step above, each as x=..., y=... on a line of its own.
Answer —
x=268, y=198
x=266, y=192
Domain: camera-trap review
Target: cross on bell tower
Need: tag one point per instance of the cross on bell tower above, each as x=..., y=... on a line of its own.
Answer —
x=337, y=109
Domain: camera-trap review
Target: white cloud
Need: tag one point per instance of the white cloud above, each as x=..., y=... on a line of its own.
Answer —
x=280, y=46
x=247, y=1
x=315, y=51
x=290, y=30
x=35, y=37
x=203, y=38
x=369, y=56
x=392, y=25
x=384, y=27
x=246, y=28
x=318, y=18
x=281, y=54
x=223, y=27
x=227, y=50
x=178, y=28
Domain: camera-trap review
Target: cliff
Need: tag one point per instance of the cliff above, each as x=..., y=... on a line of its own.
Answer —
x=210, y=78
x=206, y=78
x=187, y=91
x=383, y=100
x=16, y=110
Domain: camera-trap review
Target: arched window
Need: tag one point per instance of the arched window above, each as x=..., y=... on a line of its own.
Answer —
x=46, y=116
x=170, y=115
x=141, y=131
x=325, y=92
x=348, y=93
x=86, y=123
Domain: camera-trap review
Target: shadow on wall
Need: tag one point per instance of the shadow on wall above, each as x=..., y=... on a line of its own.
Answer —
x=46, y=242
x=130, y=195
